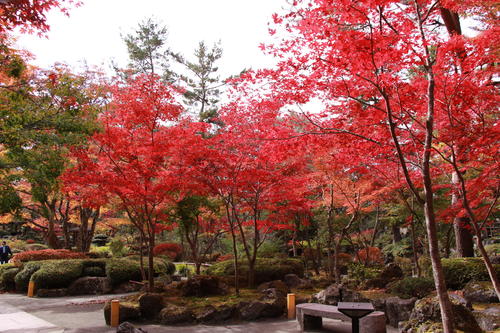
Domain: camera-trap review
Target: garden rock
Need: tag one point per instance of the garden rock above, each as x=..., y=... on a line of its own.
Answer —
x=294, y=281
x=480, y=292
x=90, y=285
x=214, y=315
x=150, y=305
x=337, y=293
x=380, y=305
x=173, y=314
x=127, y=287
x=426, y=314
x=280, y=288
x=489, y=318
x=60, y=292
x=127, y=327
x=127, y=311
x=398, y=309
x=203, y=285
x=262, y=309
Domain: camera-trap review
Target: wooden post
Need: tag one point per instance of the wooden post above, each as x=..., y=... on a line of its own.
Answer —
x=31, y=288
x=115, y=313
x=290, y=300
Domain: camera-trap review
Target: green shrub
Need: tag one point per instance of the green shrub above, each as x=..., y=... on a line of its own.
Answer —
x=7, y=274
x=459, y=271
x=358, y=273
x=93, y=271
x=122, y=270
x=412, y=287
x=266, y=269
x=125, y=269
x=117, y=247
x=57, y=273
x=101, y=263
x=23, y=277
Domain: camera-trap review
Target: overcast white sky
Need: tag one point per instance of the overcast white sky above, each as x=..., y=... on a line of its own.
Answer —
x=92, y=32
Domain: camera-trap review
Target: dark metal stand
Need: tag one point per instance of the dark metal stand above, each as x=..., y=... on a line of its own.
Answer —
x=355, y=311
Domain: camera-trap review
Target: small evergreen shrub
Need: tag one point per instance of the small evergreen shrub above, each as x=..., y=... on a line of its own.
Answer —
x=117, y=247
x=412, y=287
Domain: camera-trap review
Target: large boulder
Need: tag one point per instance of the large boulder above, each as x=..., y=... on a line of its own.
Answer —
x=294, y=281
x=280, y=288
x=127, y=327
x=173, y=314
x=426, y=317
x=214, y=315
x=398, y=309
x=337, y=293
x=56, y=292
x=151, y=305
x=90, y=285
x=489, y=318
x=127, y=311
x=127, y=287
x=204, y=285
x=480, y=292
x=262, y=309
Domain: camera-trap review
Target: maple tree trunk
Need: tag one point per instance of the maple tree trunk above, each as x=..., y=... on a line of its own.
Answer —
x=235, y=262
x=52, y=240
x=463, y=238
x=336, y=262
x=251, y=273
x=313, y=256
x=430, y=218
x=416, y=266
x=151, y=272
x=464, y=243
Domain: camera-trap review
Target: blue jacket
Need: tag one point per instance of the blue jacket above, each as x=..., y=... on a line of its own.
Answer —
x=5, y=250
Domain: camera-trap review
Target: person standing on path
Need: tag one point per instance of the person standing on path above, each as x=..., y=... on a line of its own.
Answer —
x=4, y=253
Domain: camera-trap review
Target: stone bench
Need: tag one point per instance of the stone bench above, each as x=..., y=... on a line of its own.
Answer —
x=309, y=316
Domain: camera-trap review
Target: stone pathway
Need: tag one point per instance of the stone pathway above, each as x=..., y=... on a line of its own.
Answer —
x=83, y=314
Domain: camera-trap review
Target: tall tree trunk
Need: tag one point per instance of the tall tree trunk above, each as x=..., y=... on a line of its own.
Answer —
x=396, y=234
x=464, y=243
x=416, y=265
x=151, y=271
x=430, y=218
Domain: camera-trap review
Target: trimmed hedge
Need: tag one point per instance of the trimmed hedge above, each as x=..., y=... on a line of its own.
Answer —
x=57, y=273
x=412, y=287
x=266, y=269
x=47, y=255
x=459, y=271
x=49, y=274
x=23, y=277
